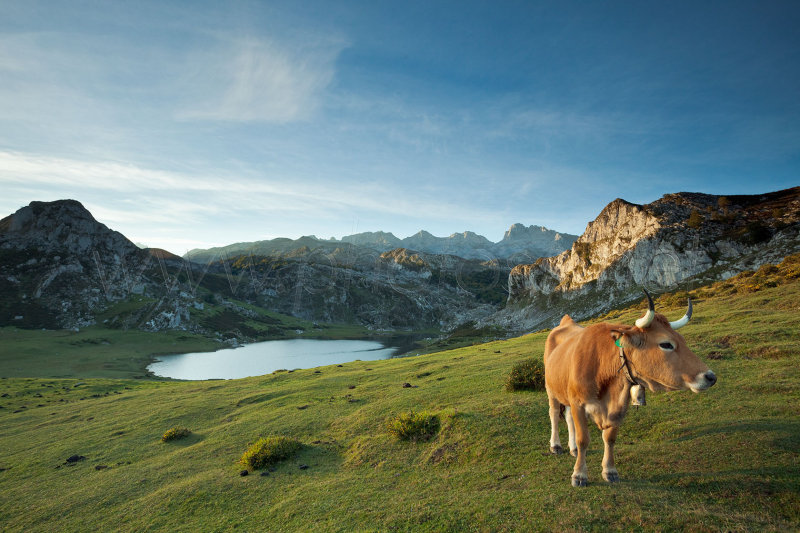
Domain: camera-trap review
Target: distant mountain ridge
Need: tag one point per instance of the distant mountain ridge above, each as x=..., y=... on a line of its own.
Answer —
x=61, y=268
x=519, y=244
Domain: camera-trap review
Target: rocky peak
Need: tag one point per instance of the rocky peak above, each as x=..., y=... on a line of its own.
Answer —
x=518, y=232
x=471, y=237
x=59, y=265
x=532, y=242
x=422, y=234
x=61, y=225
x=618, y=227
x=424, y=241
x=376, y=239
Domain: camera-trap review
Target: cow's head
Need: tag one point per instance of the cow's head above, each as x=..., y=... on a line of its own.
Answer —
x=659, y=356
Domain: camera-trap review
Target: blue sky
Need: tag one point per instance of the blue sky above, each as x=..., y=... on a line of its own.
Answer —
x=193, y=124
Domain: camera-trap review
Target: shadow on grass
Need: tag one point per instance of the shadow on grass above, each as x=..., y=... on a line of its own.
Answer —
x=766, y=485
x=784, y=432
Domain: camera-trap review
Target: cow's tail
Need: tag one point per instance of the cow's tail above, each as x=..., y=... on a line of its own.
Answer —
x=561, y=411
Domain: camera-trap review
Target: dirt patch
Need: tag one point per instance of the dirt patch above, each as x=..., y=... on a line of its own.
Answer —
x=771, y=352
x=446, y=453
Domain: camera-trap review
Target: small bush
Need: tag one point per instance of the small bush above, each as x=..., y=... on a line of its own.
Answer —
x=756, y=232
x=270, y=450
x=695, y=219
x=414, y=425
x=526, y=375
x=175, y=434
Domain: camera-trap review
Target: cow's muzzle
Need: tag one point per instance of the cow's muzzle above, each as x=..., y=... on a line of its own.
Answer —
x=703, y=381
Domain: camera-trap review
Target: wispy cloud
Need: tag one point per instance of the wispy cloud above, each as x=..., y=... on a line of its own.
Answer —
x=251, y=79
x=76, y=82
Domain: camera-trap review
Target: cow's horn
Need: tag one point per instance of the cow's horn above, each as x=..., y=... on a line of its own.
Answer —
x=685, y=320
x=647, y=319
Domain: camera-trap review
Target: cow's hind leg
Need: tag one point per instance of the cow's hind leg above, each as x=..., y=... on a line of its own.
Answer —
x=609, y=470
x=555, y=412
x=573, y=448
x=580, y=477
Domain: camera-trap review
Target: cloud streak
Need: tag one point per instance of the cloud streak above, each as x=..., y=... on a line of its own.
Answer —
x=127, y=197
x=251, y=80
x=76, y=82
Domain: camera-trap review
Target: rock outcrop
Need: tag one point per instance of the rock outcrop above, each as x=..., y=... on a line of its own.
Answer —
x=683, y=238
x=60, y=268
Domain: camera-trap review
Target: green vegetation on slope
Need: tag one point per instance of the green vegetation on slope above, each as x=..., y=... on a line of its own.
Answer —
x=727, y=459
x=92, y=352
x=111, y=352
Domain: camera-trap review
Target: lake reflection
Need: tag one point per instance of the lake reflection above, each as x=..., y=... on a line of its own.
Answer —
x=265, y=357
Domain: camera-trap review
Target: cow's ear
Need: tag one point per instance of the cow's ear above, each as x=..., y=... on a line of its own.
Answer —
x=632, y=336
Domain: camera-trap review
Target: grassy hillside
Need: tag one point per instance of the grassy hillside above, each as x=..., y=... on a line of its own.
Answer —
x=725, y=460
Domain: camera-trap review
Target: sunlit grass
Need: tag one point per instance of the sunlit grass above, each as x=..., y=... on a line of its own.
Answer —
x=723, y=460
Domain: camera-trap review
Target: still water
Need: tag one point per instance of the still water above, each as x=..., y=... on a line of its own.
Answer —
x=265, y=357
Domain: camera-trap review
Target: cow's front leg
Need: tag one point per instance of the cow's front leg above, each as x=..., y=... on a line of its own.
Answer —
x=609, y=470
x=580, y=478
x=555, y=412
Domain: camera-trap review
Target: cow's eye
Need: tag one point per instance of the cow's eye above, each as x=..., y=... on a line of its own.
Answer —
x=666, y=346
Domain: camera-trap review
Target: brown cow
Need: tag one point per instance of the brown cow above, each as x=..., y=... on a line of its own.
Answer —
x=595, y=370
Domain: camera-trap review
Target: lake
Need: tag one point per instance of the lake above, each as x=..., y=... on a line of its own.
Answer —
x=265, y=357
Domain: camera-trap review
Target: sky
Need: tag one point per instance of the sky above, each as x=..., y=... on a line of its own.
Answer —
x=196, y=124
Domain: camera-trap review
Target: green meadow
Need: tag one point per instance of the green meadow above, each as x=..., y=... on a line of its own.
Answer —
x=103, y=352
x=724, y=460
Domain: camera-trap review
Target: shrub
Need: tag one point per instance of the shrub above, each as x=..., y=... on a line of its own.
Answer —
x=526, y=375
x=755, y=232
x=695, y=219
x=175, y=434
x=584, y=251
x=270, y=450
x=414, y=425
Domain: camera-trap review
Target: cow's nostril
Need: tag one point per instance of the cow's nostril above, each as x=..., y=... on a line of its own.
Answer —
x=711, y=377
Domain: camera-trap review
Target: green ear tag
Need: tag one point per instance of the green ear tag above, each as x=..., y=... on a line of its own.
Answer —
x=618, y=343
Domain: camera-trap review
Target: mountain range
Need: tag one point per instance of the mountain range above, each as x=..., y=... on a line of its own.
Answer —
x=519, y=244
x=61, y=268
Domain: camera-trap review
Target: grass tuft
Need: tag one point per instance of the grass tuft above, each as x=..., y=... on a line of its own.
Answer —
x=268, y=451
x=175, y=433
x=414, y=425
x=526, y=375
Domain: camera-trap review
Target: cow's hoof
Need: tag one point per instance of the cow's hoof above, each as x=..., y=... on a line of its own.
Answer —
x=558, y=450
x=573, y=452
x=578, y=481
x=611, y=476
